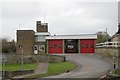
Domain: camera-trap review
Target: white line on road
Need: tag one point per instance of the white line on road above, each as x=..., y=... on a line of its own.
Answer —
x=103, y=77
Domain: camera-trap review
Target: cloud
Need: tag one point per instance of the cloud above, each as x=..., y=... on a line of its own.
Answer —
x=73, y=12
x=63, y=16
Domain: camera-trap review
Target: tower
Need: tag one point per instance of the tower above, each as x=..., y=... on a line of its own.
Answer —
x=41, y=27
x=25, y=40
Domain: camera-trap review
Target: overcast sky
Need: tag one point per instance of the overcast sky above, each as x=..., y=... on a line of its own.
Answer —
x=62, y=16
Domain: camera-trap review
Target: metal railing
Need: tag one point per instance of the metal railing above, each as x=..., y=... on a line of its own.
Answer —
x=108, y=44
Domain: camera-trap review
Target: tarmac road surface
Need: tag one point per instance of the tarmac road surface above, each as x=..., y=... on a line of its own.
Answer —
x=89, y=66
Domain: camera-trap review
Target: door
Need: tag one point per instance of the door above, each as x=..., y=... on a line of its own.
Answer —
x=87, y=46
x=71, y=46
x=55, y=46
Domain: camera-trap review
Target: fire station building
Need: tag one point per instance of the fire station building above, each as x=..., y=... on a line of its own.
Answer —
x=41, y=42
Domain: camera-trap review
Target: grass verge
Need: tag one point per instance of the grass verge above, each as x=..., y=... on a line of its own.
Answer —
x=56, y=68
x=17, y=67
x=117, y=72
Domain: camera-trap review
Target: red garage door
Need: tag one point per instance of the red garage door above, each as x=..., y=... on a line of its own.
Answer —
x=55, y=46
x=87, y=46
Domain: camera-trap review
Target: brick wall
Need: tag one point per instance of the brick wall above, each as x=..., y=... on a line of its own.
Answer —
x=25, y=39
x=107, y=52
x=41, y=27
x=28, y=59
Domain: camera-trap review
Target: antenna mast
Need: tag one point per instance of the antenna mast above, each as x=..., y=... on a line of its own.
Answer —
x=44, y=18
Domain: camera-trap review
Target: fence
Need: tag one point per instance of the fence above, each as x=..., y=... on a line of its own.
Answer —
x=108, y=45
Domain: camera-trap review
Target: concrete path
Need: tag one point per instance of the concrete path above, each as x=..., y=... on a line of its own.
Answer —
x=42, y=68
x=89, y=66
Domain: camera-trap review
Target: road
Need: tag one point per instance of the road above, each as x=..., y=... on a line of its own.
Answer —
x=89, y=66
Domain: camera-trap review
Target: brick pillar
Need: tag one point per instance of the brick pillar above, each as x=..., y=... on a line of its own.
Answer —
x=63, y=46
x=47, y=46
x=79, y=46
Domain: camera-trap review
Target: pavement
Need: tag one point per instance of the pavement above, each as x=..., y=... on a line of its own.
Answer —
x=89, y=66
x=42, y=68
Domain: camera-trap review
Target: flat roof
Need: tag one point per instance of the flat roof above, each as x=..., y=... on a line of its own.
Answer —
x=82, y=36
x=42, y=33
x=25, y=31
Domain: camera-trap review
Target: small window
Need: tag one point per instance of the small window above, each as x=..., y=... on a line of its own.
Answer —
x=86, y=45
x=35, y=48
x=55, y=45
x=82, y=45
x=60, y=46
x=19, y=36
x=41, y=47
x=20, y=46
x=91, y=46
x=50, y=45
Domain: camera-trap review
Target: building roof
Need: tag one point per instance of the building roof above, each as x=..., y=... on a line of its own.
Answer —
x=25, y=30
x=42, y=33
x=83, y=36
x=115, y=35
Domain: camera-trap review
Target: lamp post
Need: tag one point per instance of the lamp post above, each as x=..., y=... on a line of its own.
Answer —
x=4, y=60
x=22, y=57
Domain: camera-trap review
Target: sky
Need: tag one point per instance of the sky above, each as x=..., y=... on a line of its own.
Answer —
x=119, y=12
x=63, y=16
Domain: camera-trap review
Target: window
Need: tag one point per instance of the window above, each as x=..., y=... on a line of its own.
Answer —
x=35, y=48
x=20, y=36
x=20, y=46
x=41, y=47
x=50, y=45
x=86, y=45
x=55, y=45
x=82, y=45
x=60, y=46
x=91, y=46
x=40, y=38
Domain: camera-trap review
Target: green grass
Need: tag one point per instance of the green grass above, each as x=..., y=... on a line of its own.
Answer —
x=17, y=67
x=117, y=72
x=56, y=68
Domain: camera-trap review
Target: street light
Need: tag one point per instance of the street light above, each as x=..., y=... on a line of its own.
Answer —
x=4, y=60
x=21, y=49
